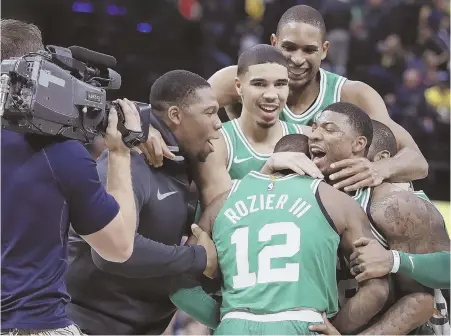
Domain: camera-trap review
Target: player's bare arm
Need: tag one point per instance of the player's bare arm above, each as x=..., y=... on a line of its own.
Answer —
x=223, y=85
x=408, y=165
x=429, y=269
x=208, y=217
x=411, y=225
x=352, y=223
x=211, y=176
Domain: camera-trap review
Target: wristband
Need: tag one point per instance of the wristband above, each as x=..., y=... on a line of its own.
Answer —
x=396, y=261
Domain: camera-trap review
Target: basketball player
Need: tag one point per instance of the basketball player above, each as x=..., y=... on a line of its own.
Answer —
x=247, y=143
x=276, y=280
x=399, y=219
x=300, y=36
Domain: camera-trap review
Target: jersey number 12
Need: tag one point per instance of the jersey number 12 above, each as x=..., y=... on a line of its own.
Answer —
x=265, y=274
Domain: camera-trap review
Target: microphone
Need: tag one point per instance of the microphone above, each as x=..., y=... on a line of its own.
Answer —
x=92, y=57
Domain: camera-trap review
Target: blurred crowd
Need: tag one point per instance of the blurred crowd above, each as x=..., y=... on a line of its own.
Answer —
x=399, y=47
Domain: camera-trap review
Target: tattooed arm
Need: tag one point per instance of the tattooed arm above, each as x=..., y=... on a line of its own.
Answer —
x=352, y=223
x=412, y=225
x=408, y=313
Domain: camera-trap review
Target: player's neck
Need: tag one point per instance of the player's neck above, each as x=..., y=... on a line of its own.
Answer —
x=301, y=98
x=255, y=132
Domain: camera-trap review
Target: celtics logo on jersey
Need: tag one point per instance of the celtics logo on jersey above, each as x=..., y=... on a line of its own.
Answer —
x=271, y=185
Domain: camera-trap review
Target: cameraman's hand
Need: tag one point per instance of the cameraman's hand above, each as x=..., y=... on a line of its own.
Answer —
x=155, y=148
x=113, y=137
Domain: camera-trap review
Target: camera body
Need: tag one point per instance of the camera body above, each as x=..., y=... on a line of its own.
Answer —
x=52, y=93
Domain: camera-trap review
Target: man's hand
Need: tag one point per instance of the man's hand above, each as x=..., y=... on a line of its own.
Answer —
x=297, y=162
x=370, y=260
x=204, y=240
x=113, y=138
x=155, y=148
x=357, y=173
x=327, y=328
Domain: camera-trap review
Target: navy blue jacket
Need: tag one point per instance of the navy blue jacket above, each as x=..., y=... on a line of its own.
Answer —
x=133, y=297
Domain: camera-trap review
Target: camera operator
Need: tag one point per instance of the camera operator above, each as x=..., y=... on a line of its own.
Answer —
x=48, y=183
x=133, y=298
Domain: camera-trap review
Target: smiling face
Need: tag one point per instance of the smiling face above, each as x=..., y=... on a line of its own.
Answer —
x=302, y=45
x=264, y=92
x=333, y=139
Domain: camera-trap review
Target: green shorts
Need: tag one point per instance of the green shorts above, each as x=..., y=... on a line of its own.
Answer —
x=252, y=324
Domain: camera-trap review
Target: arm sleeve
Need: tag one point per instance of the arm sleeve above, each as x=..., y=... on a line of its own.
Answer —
x=190, y=297
x=91, y=208
x=431, y=270
x=153, y=259
x=150, y=258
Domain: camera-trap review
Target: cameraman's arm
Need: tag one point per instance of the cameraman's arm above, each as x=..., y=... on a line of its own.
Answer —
x=150, y=258
x=94, y=214
x=113, y=241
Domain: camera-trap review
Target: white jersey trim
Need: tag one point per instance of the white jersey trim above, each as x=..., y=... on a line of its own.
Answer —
x=290, y=315
x=261, y=176
x=229, y=146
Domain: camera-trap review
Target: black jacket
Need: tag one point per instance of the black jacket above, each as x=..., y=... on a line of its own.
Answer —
x=132, y=297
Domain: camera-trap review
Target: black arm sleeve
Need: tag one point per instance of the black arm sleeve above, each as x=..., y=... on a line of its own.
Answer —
x=153, y=259
x=150, y=258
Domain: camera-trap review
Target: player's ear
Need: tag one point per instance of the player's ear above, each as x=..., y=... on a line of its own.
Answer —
x=175, y=115
x=385, y=154
x=238, y=86
x=325, y=48
x=359, y=145
x=273, y=40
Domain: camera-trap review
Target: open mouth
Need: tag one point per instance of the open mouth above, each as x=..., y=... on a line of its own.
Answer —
x=297, y=72
x=317, y=154
x=269, y=108
x=210, y=144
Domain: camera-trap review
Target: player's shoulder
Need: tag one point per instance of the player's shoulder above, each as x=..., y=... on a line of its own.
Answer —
x=351, y=87
x=224, y=74
x=332, y=75
x=354, y=91
x=389, y=202
x=388, y=192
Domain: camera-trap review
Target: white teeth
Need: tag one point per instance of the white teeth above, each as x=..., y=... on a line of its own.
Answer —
x=316, y=151
x=268, y=108
x=299, y=72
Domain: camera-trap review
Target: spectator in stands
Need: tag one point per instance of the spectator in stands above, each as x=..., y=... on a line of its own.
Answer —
x=439, y=97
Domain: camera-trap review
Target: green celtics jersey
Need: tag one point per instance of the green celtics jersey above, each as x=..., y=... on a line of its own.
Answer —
x=241, y=157
x=420, y=193
x=276, y=249
x=363, y=197
x=329, y=93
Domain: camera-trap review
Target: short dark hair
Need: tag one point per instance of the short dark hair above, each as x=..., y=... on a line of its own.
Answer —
x=358, y=119
x=19, y=38
x=383, y=139
x=260, y=54
x=175, y=87
x=305, y=14
x=293, y=143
